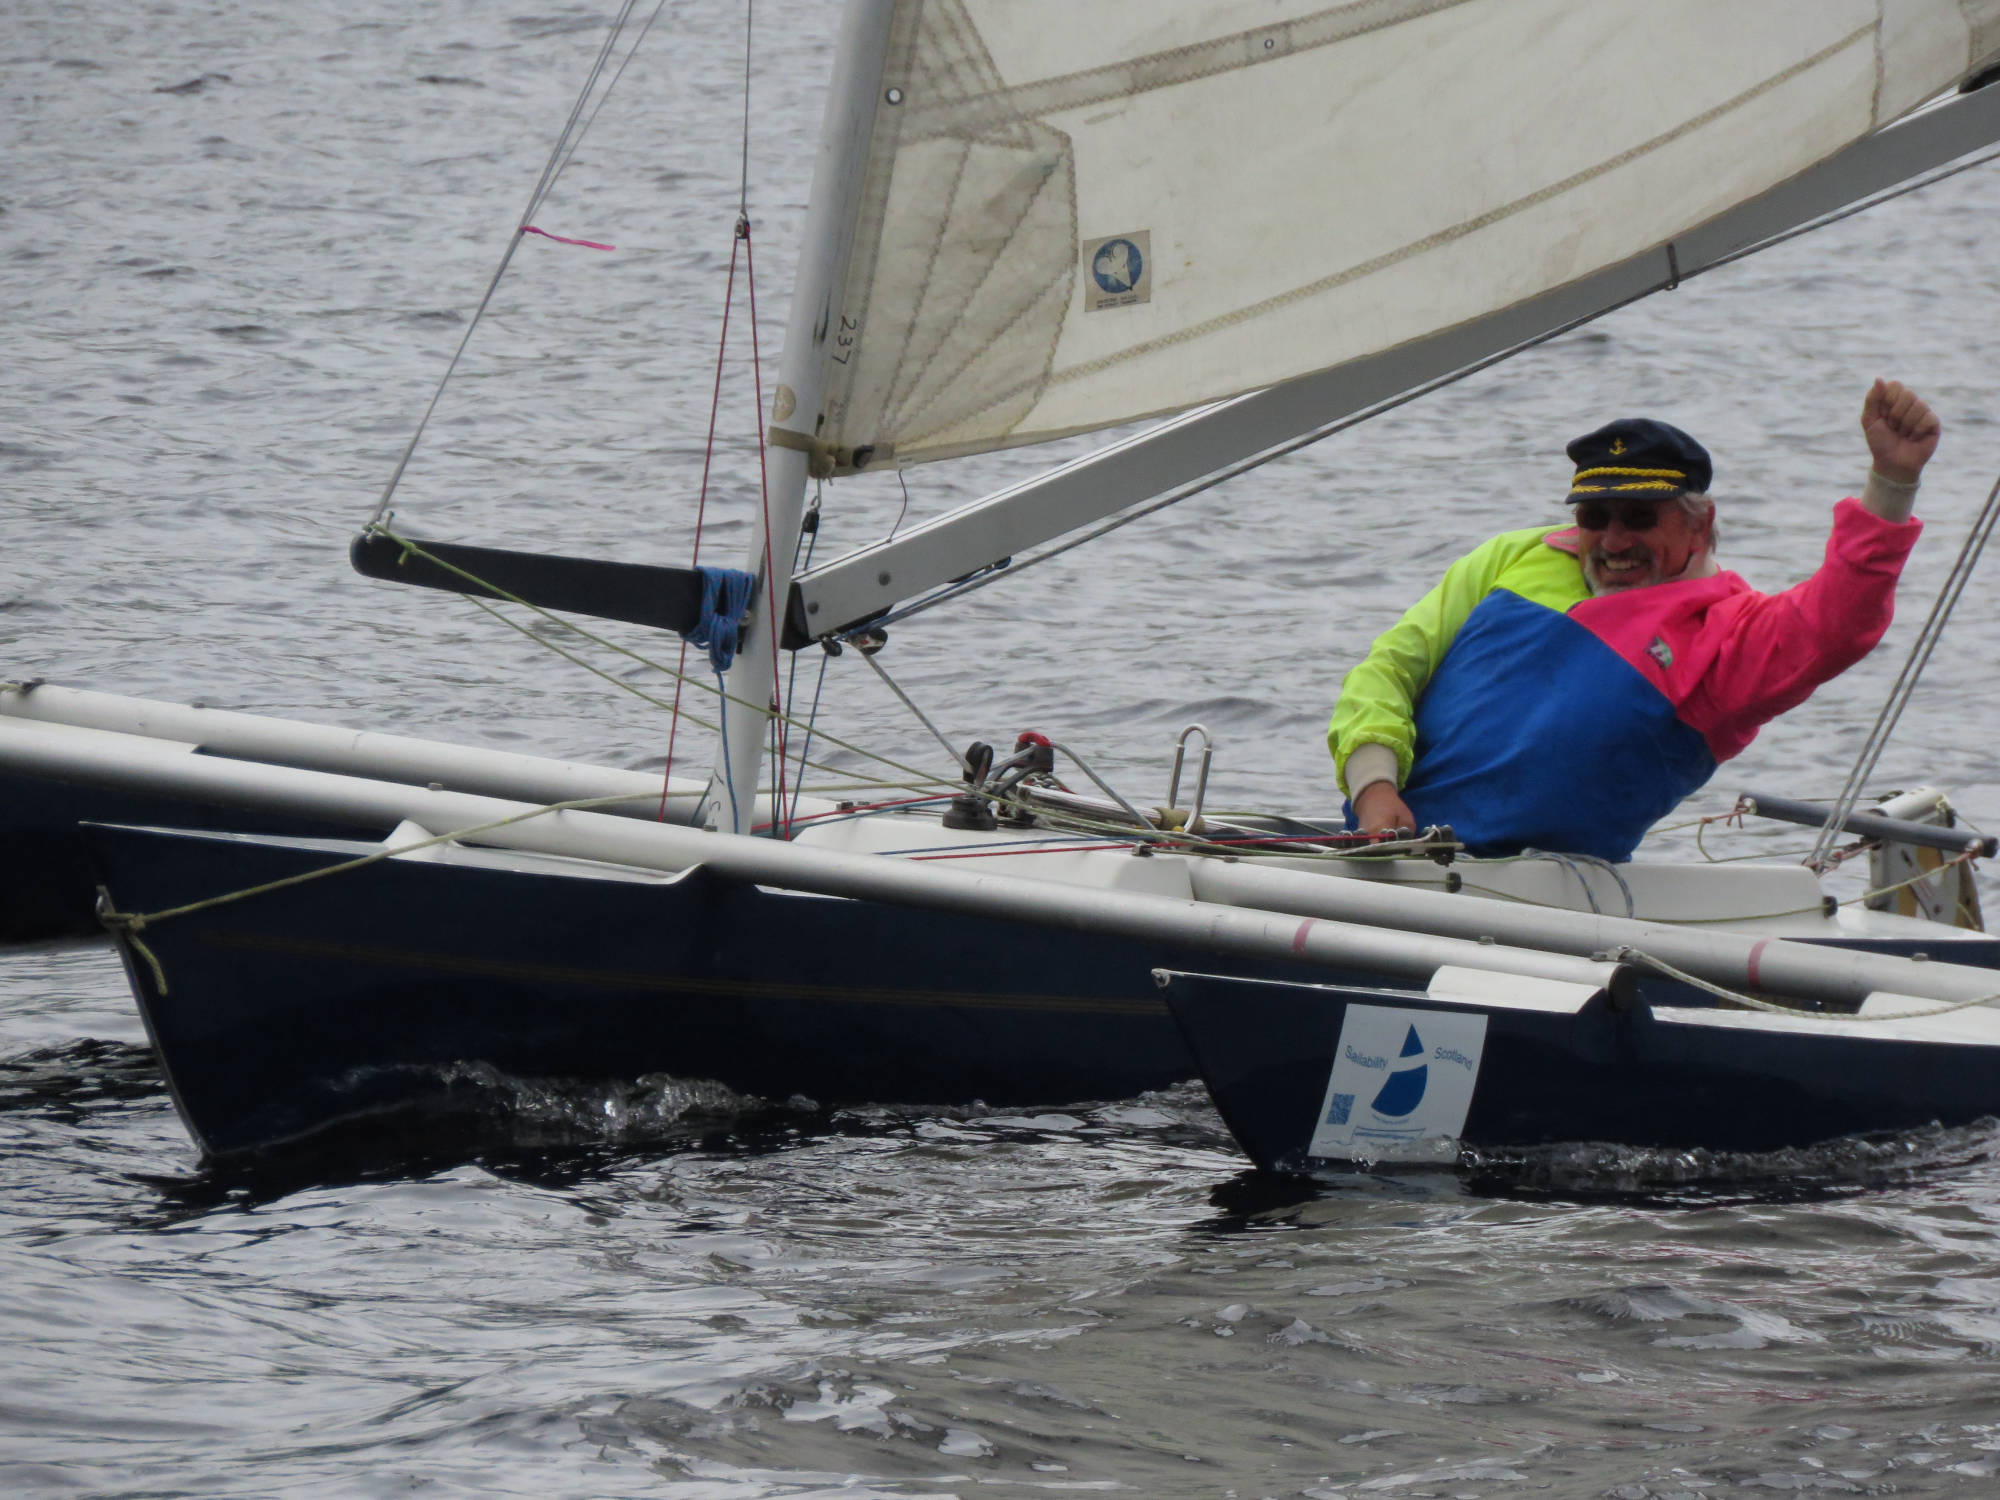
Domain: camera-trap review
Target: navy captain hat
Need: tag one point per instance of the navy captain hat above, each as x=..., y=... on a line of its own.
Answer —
x=1640, y=459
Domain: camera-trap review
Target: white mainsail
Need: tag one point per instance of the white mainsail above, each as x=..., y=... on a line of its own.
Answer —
x=1074, y=215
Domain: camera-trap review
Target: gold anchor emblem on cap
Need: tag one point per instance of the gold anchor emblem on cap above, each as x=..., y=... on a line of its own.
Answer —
x=1617, y=446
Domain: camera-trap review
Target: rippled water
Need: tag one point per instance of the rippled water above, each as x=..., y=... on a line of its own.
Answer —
x=239, y=243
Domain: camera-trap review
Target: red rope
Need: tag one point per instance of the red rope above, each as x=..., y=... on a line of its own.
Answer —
x=1251, y=841
x=1276, y=840
x=1038, y=849
x=857, y=809
x=701, y=511
x=1164, y=848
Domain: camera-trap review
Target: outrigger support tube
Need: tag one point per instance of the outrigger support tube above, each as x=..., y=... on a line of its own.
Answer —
x=1238, y=909
x=1873, y=825
x=1778, y=967
x=75, y=714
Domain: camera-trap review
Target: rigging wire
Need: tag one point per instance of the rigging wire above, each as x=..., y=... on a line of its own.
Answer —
x=1906, y=681
x=922, y=718
x=805, y=749
x=1146, y=828
x=604, y=97
x=559, y=157
x=749, y=25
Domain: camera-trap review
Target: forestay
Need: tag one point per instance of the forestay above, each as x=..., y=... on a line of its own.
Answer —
x=1074, y=216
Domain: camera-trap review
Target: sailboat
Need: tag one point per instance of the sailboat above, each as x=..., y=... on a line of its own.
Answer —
x=1258, y=222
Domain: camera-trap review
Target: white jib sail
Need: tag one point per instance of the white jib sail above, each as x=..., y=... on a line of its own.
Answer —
x=1078, y=212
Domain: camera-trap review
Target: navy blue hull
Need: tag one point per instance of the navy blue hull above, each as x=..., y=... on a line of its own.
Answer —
x=1267, y=1052
x=296, y=1009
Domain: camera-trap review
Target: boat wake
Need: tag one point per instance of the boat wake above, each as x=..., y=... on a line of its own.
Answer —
x=557, y=1128
x=1698, y=1178
x=656, y=1109
x=69, y=1083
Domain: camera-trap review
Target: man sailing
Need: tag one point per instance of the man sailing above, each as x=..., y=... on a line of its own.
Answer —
x=1563, y=688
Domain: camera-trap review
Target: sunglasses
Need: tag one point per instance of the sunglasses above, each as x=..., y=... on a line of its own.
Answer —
x=1638, y=515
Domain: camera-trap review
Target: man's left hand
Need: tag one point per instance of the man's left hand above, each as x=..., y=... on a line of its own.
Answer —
x=1902, y=431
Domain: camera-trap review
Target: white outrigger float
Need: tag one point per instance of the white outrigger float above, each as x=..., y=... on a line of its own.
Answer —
x=321, y=924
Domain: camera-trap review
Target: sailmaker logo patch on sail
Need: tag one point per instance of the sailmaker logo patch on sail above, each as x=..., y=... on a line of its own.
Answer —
x=1118, y=270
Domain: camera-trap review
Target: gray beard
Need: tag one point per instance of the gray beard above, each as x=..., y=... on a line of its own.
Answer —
x=1701, y=565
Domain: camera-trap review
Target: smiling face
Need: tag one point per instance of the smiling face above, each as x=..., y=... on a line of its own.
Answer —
x=1629, y=544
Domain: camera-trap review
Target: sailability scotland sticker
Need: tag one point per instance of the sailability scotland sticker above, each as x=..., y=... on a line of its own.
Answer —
x=1399, y=1077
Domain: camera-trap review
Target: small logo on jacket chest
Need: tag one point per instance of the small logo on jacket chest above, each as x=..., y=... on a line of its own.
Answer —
x=1661, y=652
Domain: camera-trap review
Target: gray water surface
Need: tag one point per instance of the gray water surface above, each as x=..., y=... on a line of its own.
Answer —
x=239, y=244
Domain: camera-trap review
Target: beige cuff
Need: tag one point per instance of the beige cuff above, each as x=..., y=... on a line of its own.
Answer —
x=1888, y=498
x=1368, y=764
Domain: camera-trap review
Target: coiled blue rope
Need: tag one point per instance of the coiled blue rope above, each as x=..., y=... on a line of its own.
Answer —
x=725, y=596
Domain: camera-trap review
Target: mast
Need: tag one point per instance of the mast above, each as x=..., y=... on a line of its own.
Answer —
x=811, y=333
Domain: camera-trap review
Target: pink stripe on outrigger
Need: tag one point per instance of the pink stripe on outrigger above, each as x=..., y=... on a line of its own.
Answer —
x=560, y=240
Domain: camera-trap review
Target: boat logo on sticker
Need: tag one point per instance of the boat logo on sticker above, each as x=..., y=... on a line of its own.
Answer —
x=1118, y=270
x=1405, y=1089
x=1399, y=1078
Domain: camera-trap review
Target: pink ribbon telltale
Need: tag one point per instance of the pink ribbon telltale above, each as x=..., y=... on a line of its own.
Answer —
x=561, y=240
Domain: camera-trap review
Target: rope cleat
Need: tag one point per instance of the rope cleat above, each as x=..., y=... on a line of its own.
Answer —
x=972, y=809
x=988, y=784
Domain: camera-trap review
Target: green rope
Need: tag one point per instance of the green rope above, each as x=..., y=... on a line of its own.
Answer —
x=127, y=926
x=1736, y=997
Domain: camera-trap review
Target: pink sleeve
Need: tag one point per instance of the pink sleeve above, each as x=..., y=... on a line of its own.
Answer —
x=1777, y=648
